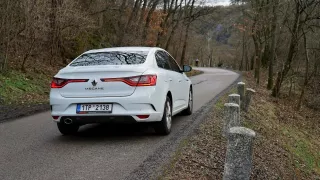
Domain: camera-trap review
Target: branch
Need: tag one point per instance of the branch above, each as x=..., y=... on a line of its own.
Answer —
x=104, y=10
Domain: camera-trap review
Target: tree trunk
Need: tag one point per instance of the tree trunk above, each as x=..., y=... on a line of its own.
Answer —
x=265, y=54
x=168, y=9
x=243, y=51
x=247, y=59
x=252, y=62
x=142, y=12
x=175, y=25
x=54, y=29
x=162, y=24
x=121, y=31
x=173, y=30
x=185, y=43
x=184, y=49
x=148, y=20
x=293, y=43
x=132, y=15
x=305, y=83
x=52, y=34
x=273, y=44
x=257, y=58
x=176, y=52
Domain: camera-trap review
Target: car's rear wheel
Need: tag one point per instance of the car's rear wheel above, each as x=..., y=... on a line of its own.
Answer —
x=189, y=109
x=164, y=126
x=68, y=129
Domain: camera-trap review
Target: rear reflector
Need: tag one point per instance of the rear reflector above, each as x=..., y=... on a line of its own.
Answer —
x=55, y=117
x=143, y=116
x=144, y=80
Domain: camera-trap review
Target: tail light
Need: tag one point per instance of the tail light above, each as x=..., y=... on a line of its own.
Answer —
x=144, y=80
x=59, y=83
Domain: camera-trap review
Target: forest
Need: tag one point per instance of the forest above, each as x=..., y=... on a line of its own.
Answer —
x=276, y=38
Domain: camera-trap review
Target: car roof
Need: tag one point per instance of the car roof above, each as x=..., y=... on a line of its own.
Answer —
x=136, y=48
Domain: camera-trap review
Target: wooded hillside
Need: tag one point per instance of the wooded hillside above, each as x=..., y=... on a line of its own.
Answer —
x=56, y=31
x=280, y=37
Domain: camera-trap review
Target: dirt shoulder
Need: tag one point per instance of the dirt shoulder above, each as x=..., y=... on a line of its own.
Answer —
x=283, y=149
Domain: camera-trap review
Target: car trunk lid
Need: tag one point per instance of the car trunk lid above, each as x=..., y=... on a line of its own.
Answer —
x=94, y=87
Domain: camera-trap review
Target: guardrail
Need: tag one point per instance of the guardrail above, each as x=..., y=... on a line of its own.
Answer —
x=238, y=163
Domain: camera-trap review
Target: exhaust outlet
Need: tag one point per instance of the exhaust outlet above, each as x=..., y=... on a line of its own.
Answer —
x=68, y=121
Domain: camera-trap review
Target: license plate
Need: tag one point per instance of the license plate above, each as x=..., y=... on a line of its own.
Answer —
x=94, y=108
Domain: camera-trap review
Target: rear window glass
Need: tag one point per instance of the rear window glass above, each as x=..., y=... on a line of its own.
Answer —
x=111, y=58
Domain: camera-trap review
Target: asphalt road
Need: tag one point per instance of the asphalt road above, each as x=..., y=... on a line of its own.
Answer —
x=32, y=147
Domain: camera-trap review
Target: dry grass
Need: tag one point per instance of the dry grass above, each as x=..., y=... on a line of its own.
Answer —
x=287, y=144
x=202, y=156
x=194, y=73
x=297, y=133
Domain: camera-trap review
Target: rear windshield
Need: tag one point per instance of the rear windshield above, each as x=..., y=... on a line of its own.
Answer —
x=111, y=58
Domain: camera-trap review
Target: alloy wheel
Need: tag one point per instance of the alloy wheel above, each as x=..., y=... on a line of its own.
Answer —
x=168, y=115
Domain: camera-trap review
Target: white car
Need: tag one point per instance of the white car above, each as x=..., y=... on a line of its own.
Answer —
x=139, y=84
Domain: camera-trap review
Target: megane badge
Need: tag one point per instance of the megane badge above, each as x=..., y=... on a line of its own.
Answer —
x=94, y=83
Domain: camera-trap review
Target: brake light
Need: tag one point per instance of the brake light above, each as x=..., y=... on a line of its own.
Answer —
x=144, y=80
x=59, y=83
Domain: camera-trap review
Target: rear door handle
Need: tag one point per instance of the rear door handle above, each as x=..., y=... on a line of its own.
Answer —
x=170, y=79
x=180, y=80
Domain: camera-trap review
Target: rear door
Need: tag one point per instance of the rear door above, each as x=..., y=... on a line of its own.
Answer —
x=181, y=82
x=163, y=63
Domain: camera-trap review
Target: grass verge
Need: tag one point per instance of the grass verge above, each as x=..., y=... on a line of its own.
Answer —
x=286, y=147
x=203, y=154
x=24, y=88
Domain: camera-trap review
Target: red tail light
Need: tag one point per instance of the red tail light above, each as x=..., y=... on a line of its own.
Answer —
x=144, y=80
x=59, y=83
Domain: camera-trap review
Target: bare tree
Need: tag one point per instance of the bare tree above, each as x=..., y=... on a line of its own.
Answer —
x=273, y=43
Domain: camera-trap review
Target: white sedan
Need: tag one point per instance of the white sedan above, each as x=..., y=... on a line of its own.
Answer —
x=138, y=84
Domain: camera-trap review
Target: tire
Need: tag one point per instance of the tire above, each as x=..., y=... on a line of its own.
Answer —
x=189, y=109
x=164, y=126
x=68, y=129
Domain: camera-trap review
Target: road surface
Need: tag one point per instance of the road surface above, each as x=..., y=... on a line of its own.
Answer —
x=32, y=147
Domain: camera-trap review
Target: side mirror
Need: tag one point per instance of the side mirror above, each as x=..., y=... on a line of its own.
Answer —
x=187, y=68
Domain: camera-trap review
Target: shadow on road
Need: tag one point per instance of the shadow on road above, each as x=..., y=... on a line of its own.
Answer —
x=116, y=129
x=116, y=133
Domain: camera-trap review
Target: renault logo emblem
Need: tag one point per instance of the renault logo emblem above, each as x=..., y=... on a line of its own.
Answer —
x=94, y=83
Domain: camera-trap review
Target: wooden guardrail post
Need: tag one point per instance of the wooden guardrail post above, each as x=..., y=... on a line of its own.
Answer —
x=231, y=117
x=238, y=163
x=249, y=93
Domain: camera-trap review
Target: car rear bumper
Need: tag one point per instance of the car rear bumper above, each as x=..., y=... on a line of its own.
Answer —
x=81, y=120
x=142, y=102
